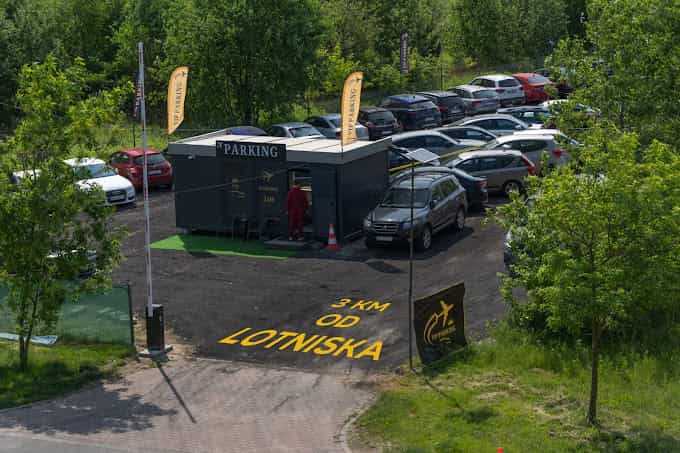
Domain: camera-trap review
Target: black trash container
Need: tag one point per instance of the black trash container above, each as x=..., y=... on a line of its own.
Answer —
x=155, y=329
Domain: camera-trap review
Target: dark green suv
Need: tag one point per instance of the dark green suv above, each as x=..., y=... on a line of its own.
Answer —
x=439, y=202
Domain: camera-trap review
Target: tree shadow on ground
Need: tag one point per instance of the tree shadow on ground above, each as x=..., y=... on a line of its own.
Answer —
x=95, y=409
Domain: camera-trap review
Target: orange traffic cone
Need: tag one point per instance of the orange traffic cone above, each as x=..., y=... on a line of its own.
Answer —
x=332, y=240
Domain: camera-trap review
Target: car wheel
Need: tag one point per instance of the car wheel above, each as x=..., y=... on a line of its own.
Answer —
x=512, y=186
x=459, y=223
x=424, y=240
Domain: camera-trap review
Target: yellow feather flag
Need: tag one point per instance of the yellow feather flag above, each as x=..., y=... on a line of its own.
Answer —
x=349, y=111
x=177, y=91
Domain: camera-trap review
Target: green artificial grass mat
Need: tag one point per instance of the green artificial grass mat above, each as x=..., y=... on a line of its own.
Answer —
x=220, y=245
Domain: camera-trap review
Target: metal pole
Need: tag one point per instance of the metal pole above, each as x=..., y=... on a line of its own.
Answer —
x=147, y=225
x=410, y=273
x=134, y=133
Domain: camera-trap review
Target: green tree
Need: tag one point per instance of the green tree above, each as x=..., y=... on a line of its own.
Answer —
x=48, y=224
x=627, y=65
x=249, y=60
x=597, y=251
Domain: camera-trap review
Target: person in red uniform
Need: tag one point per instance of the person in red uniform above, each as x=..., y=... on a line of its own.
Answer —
x=296, y=204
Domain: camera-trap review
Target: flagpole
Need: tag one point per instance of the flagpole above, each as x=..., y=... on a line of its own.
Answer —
x=147, y=225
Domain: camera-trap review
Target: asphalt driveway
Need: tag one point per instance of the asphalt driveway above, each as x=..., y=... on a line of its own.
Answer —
x=316, y=311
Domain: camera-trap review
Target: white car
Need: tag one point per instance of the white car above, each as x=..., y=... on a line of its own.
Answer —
x=496, y=123
x=509, y=89
x=93, y=172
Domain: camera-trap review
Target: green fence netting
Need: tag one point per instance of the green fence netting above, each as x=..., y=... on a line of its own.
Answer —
x=94, y=318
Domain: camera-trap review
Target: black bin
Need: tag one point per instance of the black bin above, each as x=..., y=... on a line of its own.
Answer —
x=155, y=329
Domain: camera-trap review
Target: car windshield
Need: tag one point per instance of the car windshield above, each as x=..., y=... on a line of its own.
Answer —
x=450, y=101
x=303, y=131
x=538, y=79
x=401, y=198
x=381, y=115
x=484, y=94
x=335, y=121
x=493, y=144
x=508, y=83
x=93, y=171
x=151, y=159
x=423, y=105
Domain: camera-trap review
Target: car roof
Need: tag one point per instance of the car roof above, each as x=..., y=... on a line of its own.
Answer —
x=495, y=77
x=539, y=132
x=491, y=152
x=526, y=74
x=438, y=93
x=408, y=98
x=79, y=162
x=421, y=180
x=372, y=109
x=134, y=152
x=488, y=116
x=293, y=124
x=409, y=134
x=524, y=108
x=513, y=137
x=469, y=87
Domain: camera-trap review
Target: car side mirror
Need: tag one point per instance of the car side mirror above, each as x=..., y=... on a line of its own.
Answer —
x=518, y=127
x=433, y=203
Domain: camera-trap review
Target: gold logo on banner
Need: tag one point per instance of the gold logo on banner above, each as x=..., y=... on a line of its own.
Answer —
x=439, y=326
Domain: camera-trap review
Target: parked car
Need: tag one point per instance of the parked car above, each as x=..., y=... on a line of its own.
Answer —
x=504, y=171
x=129, y=163
x=497, y=124
x=557, y=104
x=534, y=86
x=509, y=89
x=450, y=105
x=439, y=202
x=467, y=133
x=295, y=130
x=331, y=126
x=245, y=130
x=530, y=114
x=477, y=99
x=380, y=122
x=93, y=172
x=475, y=187
x=413, y=111
x=433, y=141
x=560, y=80
x=534, y=147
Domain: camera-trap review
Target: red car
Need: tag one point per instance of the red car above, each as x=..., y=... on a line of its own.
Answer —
x=534, y=86
x=130, y=164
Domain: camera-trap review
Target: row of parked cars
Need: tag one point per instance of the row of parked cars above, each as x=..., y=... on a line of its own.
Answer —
x=427, y=109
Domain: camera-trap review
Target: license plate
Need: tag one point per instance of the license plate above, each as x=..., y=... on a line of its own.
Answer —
x=154, y=172
x=384, y=238
x=118, y=198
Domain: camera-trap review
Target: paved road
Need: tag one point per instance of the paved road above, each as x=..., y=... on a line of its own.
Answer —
x=259, y=398
x=193, y=407
x=209, y=298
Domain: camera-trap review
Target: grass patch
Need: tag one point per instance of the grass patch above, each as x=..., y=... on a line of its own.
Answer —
x=219, y=245
x=54, y=371
x=511, y=393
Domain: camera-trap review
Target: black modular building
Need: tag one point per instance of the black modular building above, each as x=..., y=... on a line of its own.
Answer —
x=224, y=182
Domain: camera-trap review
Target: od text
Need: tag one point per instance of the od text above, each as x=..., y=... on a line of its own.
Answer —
x=317, y=344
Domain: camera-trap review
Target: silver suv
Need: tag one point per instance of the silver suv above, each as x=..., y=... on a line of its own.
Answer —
x=438, y=202
x=504, y=171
